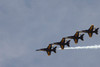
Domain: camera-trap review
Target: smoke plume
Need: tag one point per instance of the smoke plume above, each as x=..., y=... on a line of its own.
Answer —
x=83, y=47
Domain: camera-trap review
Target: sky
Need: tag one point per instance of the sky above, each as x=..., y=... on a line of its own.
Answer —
x=27, y=25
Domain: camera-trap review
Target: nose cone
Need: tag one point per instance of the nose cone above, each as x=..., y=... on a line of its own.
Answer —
x=38, y=50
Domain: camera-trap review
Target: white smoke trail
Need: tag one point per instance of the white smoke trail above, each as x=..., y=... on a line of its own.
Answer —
x=83, y=47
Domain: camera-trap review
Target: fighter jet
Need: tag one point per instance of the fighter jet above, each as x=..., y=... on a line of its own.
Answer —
x=62, y=43
x=90, y=31
x=76, y=37
x=48, y=49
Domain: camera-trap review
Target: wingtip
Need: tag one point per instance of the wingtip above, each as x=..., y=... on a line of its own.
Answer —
x=48, y=55
x=90, y=36
x=64, y=38
x=62, y=48
x=92, y=25
x=77, y=31
x=75, y=42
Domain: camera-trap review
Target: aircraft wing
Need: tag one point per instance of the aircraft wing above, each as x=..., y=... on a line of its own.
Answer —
x=91, y=28
x=76, y=34
x=62, y=46
x=50, y=46
x=63, y=40
x=90, y=34
x=49, y=53
x=76, y=41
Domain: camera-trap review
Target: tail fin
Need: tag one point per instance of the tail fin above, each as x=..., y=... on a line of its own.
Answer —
x=96, y=31
x=81, y=37
x=54, y=49
x=68, y=42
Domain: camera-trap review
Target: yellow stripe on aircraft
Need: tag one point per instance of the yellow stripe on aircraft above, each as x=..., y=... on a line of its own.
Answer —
x=76, y=41
x=90, y=34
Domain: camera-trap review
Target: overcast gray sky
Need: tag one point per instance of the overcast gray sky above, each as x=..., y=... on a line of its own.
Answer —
x=27, y=25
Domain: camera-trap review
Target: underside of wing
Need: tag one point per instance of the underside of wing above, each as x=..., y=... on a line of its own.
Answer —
x=62, y=46
x=49, y=53
x=76, y=41
x=90, y=34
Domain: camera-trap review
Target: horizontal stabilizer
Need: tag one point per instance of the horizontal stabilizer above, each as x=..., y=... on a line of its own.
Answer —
x=54, y=49
x=96, y=30
x=81, y=37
